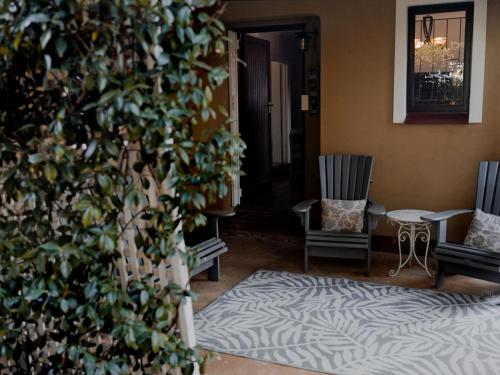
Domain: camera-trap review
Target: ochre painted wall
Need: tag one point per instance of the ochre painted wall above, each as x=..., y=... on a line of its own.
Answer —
x=416, y=166
x=221, y=98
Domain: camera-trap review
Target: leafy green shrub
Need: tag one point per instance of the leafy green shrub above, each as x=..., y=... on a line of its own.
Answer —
x=79, y=81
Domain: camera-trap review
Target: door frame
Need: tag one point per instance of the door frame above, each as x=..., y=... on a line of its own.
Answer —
x=311, y=188
x=234, y=114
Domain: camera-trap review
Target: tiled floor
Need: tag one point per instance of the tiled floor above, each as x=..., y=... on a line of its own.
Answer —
x=252, y=251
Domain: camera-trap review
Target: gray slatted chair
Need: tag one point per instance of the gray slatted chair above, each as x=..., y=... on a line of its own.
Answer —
x=458, y=259
x=345, y=177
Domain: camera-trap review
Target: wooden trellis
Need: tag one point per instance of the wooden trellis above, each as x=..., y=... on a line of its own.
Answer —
x=135, y=265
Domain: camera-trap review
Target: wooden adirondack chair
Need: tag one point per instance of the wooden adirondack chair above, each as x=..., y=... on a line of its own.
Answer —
x=457, y=259
x=346, y=177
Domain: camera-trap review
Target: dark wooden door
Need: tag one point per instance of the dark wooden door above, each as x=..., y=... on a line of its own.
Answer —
x=255, y=118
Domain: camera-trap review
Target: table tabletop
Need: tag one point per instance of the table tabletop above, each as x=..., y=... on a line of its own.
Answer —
x=408, y=216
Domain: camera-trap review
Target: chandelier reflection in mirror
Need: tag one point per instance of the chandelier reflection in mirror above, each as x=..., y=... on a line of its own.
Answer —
x=438, y=59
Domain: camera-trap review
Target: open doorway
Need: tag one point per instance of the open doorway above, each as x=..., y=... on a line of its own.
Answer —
x=274, y=95
x=271, y=121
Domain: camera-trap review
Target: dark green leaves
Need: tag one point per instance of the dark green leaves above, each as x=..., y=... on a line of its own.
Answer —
x=90, y=149
x=33, y=18
x=111, y=148
x=51, y=247
x=64, y=305
x=65, y=269
x=50, y=172
x=61, y=46
x=101, y=122
x=35, y=158
x=144, y=297
x=90, y=216
x=106, y=243
x=34, y=294
x=105, y=183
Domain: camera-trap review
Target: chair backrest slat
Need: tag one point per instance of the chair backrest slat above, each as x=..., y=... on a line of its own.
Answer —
x=359, y=177
x=322, y=174
x=329, y=172
x=367, y=176
x=488, y=187
x=481, y=183
x=346, y=163
x=338, y=175
x=345, y=176
x=352, y=176
x=496, y=200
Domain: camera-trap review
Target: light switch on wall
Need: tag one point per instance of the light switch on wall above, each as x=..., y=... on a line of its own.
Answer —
x=304, y=102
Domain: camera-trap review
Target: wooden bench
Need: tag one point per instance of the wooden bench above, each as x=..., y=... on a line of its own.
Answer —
x=208, y=245
x=209, y=252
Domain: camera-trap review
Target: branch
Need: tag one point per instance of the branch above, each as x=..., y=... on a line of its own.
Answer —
x=134, y=216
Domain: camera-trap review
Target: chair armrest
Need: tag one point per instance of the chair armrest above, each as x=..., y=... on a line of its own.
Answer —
x=375, y=209
x=221, y=213
x=303, y=206
x=445, y=215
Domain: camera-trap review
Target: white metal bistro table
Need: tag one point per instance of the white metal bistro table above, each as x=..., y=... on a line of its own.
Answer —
x=411, y=228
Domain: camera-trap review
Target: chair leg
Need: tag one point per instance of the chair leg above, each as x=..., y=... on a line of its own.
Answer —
x=369, y=255
x=306, y=259
x=439, y=275
x=214, y=271
x=369, y=263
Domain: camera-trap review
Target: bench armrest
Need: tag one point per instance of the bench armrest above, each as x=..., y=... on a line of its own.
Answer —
x=303, y=206
x=219, y=213
x=445, y=215
x=375, y=209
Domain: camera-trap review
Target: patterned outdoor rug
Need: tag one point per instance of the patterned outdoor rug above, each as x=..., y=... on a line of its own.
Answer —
x=341, y=326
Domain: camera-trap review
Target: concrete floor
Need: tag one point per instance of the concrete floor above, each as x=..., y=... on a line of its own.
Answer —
x=251, y=251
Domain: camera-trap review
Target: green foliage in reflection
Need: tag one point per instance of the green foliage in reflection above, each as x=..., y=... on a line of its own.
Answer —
x=79, y=81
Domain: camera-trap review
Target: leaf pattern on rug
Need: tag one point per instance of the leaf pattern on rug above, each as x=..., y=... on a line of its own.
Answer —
x=341, y=326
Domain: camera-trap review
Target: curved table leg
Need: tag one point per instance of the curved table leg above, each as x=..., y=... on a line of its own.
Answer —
x=424, y=236
x=403, y=235
x=412, y=232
